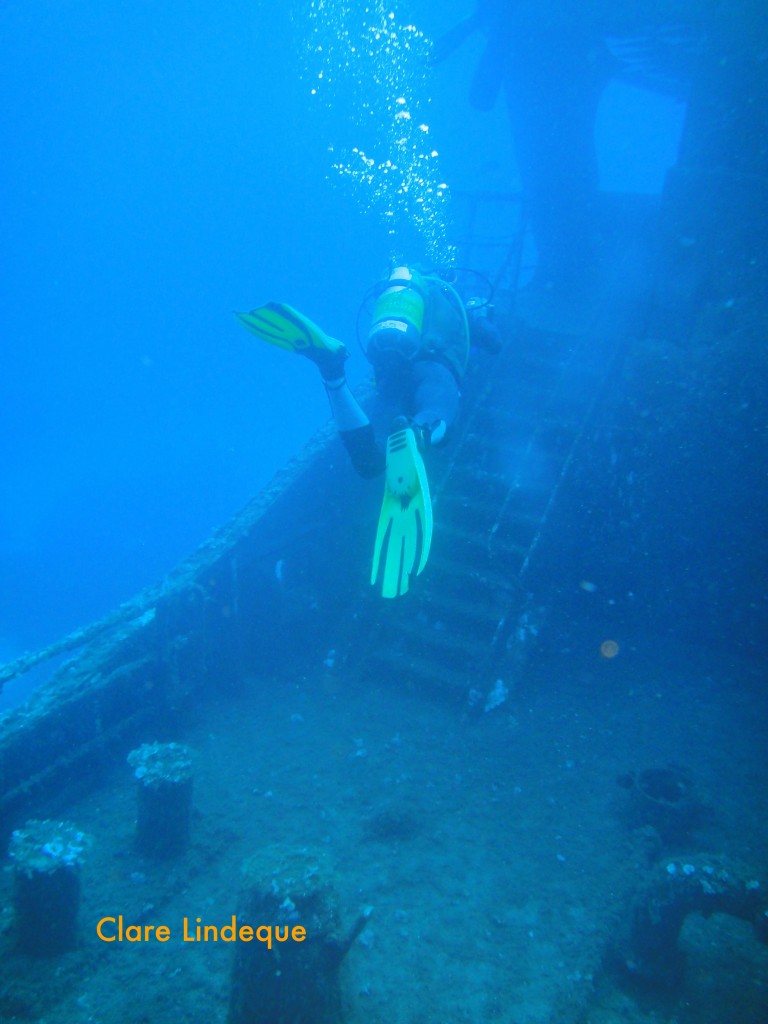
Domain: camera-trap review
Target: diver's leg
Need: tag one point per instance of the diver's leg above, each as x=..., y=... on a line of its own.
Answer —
x=283, y=326
x=345, y=409
x=354, y=428
x=435, y=400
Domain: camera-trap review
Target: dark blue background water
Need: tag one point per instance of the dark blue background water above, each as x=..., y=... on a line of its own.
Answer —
x=162, y=165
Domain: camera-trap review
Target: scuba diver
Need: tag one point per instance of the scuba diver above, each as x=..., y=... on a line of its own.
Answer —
x=418, y=344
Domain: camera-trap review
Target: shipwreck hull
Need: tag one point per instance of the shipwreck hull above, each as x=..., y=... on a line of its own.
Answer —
x=247, y=601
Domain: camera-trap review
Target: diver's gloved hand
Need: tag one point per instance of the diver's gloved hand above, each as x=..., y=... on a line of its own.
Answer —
x=433, y=434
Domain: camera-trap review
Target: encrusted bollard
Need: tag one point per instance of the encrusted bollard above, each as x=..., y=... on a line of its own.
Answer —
x=275, y=977
x=46, y=885
x=164, y=774
x=645, y=949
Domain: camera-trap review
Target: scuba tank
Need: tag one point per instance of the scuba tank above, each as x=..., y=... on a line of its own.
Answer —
x=398, y=318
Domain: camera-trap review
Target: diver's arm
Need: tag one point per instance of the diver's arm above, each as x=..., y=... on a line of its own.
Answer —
x=487, y=16
x=483, y=331
x=453, y=38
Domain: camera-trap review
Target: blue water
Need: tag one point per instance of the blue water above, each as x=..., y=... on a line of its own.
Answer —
x=163, y=165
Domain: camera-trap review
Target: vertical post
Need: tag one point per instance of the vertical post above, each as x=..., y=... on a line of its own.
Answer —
x=164, y=775
x=46, y=886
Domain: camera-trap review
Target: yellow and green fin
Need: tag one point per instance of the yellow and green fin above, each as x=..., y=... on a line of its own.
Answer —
x=404, y=534
x=283, y=326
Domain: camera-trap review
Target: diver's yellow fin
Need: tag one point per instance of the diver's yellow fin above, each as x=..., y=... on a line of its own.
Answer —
x=283, y=326
x=404, y=533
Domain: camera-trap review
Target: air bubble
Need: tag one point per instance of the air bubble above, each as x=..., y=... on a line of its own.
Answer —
x=375, y=65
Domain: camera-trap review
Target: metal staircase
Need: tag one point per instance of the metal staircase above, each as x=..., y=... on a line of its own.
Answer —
x=470, y=617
